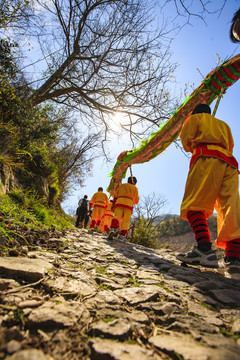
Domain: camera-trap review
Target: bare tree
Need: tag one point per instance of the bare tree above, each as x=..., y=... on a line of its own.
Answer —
x=150, y=207
x=185, y=10
x=103, y=56
x=75, y=160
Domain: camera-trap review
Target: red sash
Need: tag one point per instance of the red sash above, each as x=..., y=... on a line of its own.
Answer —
x=202, y=150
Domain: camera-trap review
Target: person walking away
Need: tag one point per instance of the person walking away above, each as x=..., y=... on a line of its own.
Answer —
x=98, y=203
x=125, y=197
x=212, y=182
x=87, y=217
x=83, y=209
x=107, y=217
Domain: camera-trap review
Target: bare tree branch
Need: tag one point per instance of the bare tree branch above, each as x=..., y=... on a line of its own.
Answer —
x=110, y=60
x=150, y=208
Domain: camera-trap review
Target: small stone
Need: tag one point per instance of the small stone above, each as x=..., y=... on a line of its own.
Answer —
x=4, y=284
x=118, y=329
x=29, y=304
x=13, y=252
x=29, y=354
x=236, y=327
x=13, y=346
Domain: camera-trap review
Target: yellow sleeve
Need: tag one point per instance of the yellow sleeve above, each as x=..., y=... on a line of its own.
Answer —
x=136, y=196
x=231, y=142
x=107, y=201
x=92, y=201
x=188, y=133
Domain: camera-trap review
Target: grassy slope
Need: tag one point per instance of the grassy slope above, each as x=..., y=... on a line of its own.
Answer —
x=22, y=213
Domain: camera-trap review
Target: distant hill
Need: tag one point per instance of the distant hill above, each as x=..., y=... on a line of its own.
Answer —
x=171, y=232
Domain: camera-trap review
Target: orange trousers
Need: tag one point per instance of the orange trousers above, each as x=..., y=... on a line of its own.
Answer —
x=123, y=216
x=97, y=215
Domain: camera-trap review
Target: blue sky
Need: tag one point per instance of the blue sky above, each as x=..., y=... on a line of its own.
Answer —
x=197, y=48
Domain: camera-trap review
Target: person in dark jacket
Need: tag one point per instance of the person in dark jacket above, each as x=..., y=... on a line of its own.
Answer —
x=82, y=211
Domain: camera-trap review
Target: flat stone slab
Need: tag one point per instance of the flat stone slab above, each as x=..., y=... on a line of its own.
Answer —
x=52, y=315
x=29, y=354
x=108, y=349
x=191, y=349
x=135, y=295
x=102, y=299
x=227, y=296
x=24, y=268
x=74, y=286
x=118, y=329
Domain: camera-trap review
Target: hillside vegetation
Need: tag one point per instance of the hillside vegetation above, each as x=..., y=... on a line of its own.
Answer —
x=168, y=231
x=25, y=220
x=39, y=149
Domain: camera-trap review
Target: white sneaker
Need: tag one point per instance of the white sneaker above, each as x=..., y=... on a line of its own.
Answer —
x=113, y=233
x=122, y=238
x=232, y=267
x=198, y=257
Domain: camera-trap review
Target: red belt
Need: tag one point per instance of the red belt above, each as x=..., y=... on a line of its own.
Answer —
x=124, y=206
x=203, y=150
x=101, y=206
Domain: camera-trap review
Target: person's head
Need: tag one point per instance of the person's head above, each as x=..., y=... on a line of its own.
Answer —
x=100, y=189
x=111, y=200
x=85, y=196
x=202, y=108
x=235, y=27
x=132, y=180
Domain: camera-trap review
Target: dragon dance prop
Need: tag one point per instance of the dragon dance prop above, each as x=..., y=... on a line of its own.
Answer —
x=212, y=87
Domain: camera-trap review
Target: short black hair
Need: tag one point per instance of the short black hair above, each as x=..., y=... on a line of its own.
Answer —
x=235, y=27
x=132, y=180
x=202, y=108
x=85, y=196
x=100, y=189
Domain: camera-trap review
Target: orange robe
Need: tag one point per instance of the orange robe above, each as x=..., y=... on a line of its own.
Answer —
x=126, y=196
x=99, y=202
x=107, y=218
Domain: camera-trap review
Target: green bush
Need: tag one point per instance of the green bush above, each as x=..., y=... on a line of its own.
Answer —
x=173, y=226
x=143, y=234
x=18, y=196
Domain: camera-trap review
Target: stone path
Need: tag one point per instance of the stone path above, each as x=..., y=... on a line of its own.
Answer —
x=84, y=297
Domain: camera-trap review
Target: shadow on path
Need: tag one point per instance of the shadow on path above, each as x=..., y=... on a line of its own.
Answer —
x=215, y=287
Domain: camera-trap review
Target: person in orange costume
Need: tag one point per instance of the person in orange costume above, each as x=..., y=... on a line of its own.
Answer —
x=107, y=217
x=98, y=202
x=212, y=183
x=126, y=195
